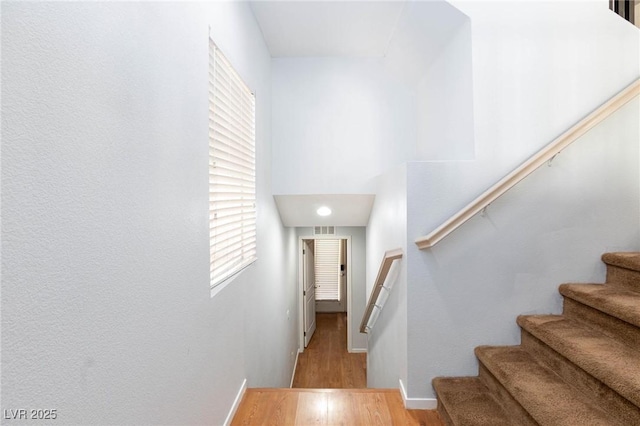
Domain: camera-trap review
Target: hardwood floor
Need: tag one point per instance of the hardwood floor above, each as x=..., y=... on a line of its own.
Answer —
x=325, y=363
x=350, y=407
x=329, y=388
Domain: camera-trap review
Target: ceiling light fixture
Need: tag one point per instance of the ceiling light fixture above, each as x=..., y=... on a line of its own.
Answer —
x=323, y=211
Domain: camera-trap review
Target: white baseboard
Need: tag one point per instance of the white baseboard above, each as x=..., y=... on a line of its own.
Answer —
x=236, y=403
x=295, y=365
x=417, y=403
x=358, y=351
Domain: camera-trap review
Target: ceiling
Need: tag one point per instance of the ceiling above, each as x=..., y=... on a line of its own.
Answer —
x=347, y=209
x=327, y=28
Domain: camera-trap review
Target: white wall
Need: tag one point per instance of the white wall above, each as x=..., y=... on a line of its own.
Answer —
x=422, y=33
x=106, y=312
x=445, y=103
x=550, y=229
x=430, y=53
x=538, y=67
x=358, y=278
x=387, y=230
x=358, y=282
x=337, y=124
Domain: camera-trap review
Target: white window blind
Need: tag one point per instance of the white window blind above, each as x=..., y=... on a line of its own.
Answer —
x=327, y=266
x=232, y=189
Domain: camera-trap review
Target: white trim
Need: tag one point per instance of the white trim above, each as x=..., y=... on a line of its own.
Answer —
x=218, y=288
x=349, y=298
x=236, y=403
x=417, y=403
x=295, y=365
x=358, y=351
x=300, y=296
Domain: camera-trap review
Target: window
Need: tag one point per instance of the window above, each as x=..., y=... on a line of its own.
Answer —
x=232, y=189
x=327, y=267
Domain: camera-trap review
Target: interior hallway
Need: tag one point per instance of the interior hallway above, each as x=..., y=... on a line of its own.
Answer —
x=325, y=363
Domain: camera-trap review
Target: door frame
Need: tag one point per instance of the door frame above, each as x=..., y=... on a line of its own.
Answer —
x=301, y=286
x=308, y=291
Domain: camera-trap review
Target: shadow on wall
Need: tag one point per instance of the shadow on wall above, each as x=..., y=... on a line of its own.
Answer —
x=431, y=54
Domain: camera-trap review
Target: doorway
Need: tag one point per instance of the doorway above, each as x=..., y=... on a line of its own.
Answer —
x=307, y=286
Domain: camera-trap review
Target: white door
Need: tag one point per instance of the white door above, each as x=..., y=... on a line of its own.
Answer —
x=309, y=292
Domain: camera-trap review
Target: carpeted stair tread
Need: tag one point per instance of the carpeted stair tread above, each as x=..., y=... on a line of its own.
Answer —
x=623, y=270
x=468, y=402
x=608, y=360
x=546, y=397
x=620, y=303
x=582, y=368
x=627, y=260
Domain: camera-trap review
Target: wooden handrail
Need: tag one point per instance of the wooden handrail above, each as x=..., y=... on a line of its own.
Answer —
x=541, y=157
x=385, y=265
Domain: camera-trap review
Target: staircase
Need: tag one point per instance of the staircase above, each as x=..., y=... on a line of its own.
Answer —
x=578, y=368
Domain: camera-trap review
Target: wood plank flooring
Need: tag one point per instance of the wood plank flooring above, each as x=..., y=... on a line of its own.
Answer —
x=325, y=363
x=329, y=388
x=349, y=407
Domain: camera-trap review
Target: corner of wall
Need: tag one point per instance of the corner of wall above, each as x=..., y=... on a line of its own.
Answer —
x=417, y=403
x=236, y=403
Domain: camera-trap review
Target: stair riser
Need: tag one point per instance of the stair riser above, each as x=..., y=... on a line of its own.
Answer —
x=465, y=401
x=578, y=368
x=605, y=323
x=444, y=415
x=608, y=399
x=518, y=415
x=623, y=278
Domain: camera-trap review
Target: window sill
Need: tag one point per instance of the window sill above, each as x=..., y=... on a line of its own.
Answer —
x=217, y=289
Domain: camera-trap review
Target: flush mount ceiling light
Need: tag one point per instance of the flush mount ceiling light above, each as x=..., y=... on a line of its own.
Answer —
x=323, y=211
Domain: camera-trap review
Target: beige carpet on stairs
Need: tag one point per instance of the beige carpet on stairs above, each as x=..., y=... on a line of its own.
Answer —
x=578, y=368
